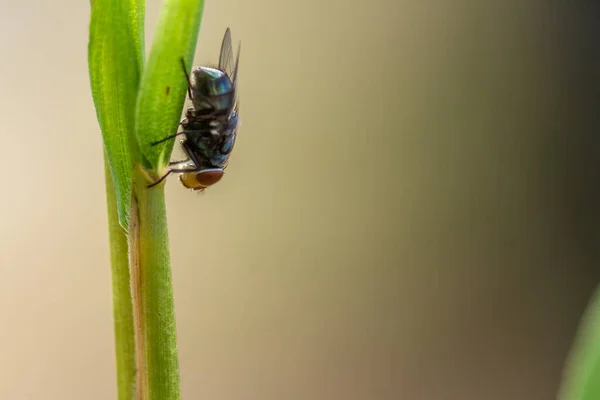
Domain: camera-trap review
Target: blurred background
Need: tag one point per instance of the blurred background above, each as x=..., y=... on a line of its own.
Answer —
x=410, y=212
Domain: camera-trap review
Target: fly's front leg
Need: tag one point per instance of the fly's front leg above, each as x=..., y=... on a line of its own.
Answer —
x=162, y=178
x=167, y=138
x=193, y=157
x=179, y=162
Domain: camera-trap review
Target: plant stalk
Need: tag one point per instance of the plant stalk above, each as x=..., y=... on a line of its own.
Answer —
x=141, y=380
x=122, y=310
x=152, y=290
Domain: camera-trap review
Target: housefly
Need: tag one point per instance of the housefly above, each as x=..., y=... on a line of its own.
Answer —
x=210, y=125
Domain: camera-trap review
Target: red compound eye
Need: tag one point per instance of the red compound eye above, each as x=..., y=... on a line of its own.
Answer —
x=201, y=180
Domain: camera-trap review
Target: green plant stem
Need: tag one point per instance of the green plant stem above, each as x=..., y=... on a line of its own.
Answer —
x=152, y=289
x=122, y=310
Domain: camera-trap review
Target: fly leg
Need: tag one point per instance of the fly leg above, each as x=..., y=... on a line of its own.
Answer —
x=192, y=160
x=195, y=165
x=162, y=178
x=178, y=162
x=193, y=157
x=187, y=77
x=167, y=138
x=201, y=131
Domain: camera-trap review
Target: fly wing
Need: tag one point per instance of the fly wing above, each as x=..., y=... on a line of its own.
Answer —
x=226, y=56
x=233, y=74
x=234, y=82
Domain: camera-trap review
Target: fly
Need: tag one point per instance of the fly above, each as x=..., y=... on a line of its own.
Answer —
x=210, y=125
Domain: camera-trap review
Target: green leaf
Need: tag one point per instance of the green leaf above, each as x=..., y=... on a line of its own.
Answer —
x=582, y=374
x=116, y=58
x=163, y=86
x=121, y=291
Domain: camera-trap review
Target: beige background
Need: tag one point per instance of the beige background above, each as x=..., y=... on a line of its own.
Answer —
x=409, y=212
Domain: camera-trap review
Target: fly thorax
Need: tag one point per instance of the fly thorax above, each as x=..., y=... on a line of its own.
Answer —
x=212, y=88
x=203, y=74
x=202, y=106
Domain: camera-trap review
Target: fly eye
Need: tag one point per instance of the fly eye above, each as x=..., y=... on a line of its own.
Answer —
x=201, y=180
x=209, y=178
